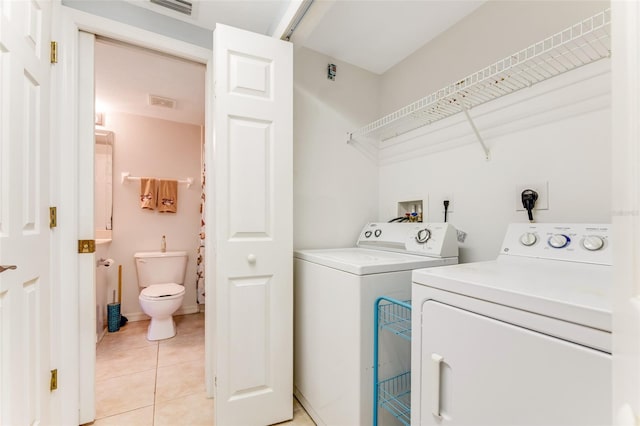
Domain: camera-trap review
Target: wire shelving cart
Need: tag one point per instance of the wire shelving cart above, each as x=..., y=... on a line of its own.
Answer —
x=391, y=393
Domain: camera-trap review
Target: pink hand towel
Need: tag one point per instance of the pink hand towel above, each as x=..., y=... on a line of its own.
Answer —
x=168, y=196
x=147, y=193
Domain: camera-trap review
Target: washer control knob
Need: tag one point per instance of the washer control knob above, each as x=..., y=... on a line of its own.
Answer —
x=423, y=236
x=559, y=241
x=593, y=243
x=367, y=234
x=528, y=239
x=377, y=232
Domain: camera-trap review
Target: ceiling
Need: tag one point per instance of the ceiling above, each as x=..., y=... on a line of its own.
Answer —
x=372, y=34
x=126, y=75
x=376, y=35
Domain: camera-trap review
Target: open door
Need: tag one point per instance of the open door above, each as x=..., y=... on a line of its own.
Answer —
x=252, y=172
x=25, y=278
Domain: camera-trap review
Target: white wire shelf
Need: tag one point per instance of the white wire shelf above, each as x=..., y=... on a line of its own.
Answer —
x=396, y=318
x=394, y=395
x=581, y=44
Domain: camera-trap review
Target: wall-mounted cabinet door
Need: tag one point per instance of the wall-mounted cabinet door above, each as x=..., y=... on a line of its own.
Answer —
x=252, y=172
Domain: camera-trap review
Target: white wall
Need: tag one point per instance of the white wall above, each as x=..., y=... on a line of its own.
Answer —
x=157, y=148
x=556, y=132
x=335, y=184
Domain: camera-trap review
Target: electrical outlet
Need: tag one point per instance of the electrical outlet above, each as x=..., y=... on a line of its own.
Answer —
x=542, y=188
x=450, y=208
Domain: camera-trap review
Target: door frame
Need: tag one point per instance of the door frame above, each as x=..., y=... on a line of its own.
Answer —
x=625, y=108
x=68, y=167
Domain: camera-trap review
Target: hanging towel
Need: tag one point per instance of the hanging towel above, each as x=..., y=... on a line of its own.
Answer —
x=168, y=196
x=147, y=193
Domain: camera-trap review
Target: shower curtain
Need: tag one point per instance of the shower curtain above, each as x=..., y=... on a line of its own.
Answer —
x=200, y=259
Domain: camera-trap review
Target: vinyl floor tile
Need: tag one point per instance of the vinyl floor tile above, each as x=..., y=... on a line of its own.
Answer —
x=194, y=410
x=139, y=417
x=178, y=380
x=125, y=393
x=122, y=362
x=144, y=383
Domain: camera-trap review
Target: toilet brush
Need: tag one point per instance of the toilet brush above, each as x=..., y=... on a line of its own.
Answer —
x=123, y=319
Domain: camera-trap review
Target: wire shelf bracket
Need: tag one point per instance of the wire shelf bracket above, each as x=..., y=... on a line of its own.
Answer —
x=583, y=43
x=475, y=130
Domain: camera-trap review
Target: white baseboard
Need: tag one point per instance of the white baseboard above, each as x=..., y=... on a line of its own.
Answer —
x=141, y=316
x=100, y=335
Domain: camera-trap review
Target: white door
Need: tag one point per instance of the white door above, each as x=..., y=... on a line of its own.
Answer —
x=252, y=171
x=24, y=226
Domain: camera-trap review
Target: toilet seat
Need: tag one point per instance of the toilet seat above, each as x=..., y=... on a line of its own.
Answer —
x=162, y=291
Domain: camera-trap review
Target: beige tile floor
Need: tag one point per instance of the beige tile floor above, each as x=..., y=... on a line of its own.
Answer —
x=142, y=383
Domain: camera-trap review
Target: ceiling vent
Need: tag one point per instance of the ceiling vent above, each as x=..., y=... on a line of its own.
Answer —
x=180, y=6
x=162, y=102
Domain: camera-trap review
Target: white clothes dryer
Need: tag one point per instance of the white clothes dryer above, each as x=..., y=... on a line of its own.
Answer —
x=522, y=340
x=335, y=291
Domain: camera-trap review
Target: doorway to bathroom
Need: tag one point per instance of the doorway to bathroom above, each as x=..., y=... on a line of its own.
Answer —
x=152, y=106
x=250, y=279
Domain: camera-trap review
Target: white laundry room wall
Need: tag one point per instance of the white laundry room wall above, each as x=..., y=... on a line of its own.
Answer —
x=335, y=185
x=156, y=148
x=556, y=132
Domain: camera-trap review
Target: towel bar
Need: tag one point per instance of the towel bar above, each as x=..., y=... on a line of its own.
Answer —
x=126, y=176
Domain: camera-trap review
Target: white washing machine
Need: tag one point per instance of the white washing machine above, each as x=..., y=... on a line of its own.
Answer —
x=335, y=291
x=522, y=340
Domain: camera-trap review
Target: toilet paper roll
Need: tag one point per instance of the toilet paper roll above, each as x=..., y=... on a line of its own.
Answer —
x=105, y=262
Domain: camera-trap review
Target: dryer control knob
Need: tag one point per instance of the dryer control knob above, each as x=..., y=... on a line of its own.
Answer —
x=377, y=232
x=593, y=243
x=423, y=236
x=559, y=241
x=367, y=234
x=528, y=239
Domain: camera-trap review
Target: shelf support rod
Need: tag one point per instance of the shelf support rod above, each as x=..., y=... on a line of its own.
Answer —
x=475, y=130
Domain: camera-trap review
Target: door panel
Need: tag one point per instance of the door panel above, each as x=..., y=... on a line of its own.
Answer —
x=250, y=295
x=24, y=238
x=253, y=342
x=249, y=193
x=493, y=373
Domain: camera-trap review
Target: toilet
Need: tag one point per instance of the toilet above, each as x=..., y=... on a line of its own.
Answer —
x=161, y=279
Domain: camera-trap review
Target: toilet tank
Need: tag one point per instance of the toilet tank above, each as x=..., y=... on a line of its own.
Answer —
x=154, y=267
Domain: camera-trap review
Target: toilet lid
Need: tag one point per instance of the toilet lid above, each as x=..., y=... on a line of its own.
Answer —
x=163, y=290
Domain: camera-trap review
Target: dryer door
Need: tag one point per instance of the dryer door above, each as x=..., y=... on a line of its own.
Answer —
x=481, y=371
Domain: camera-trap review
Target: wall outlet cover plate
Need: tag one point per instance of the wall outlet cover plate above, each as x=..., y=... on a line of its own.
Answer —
x=542, y=188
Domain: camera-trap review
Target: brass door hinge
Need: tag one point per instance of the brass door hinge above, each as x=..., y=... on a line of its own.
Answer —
x=54, y=380
x=54, y=52
x=86, y=246
x=53, y=217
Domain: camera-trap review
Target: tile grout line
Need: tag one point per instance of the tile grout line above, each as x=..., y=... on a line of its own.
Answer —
x=155, y=386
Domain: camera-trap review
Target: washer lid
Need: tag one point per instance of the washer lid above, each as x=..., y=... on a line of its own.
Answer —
x=361, y=261
x=163, y=290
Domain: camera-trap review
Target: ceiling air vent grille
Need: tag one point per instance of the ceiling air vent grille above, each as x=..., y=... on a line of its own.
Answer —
x=181, y=6
x=155, y=100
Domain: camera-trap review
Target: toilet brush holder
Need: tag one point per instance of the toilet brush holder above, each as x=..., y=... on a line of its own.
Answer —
x=113, y=317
